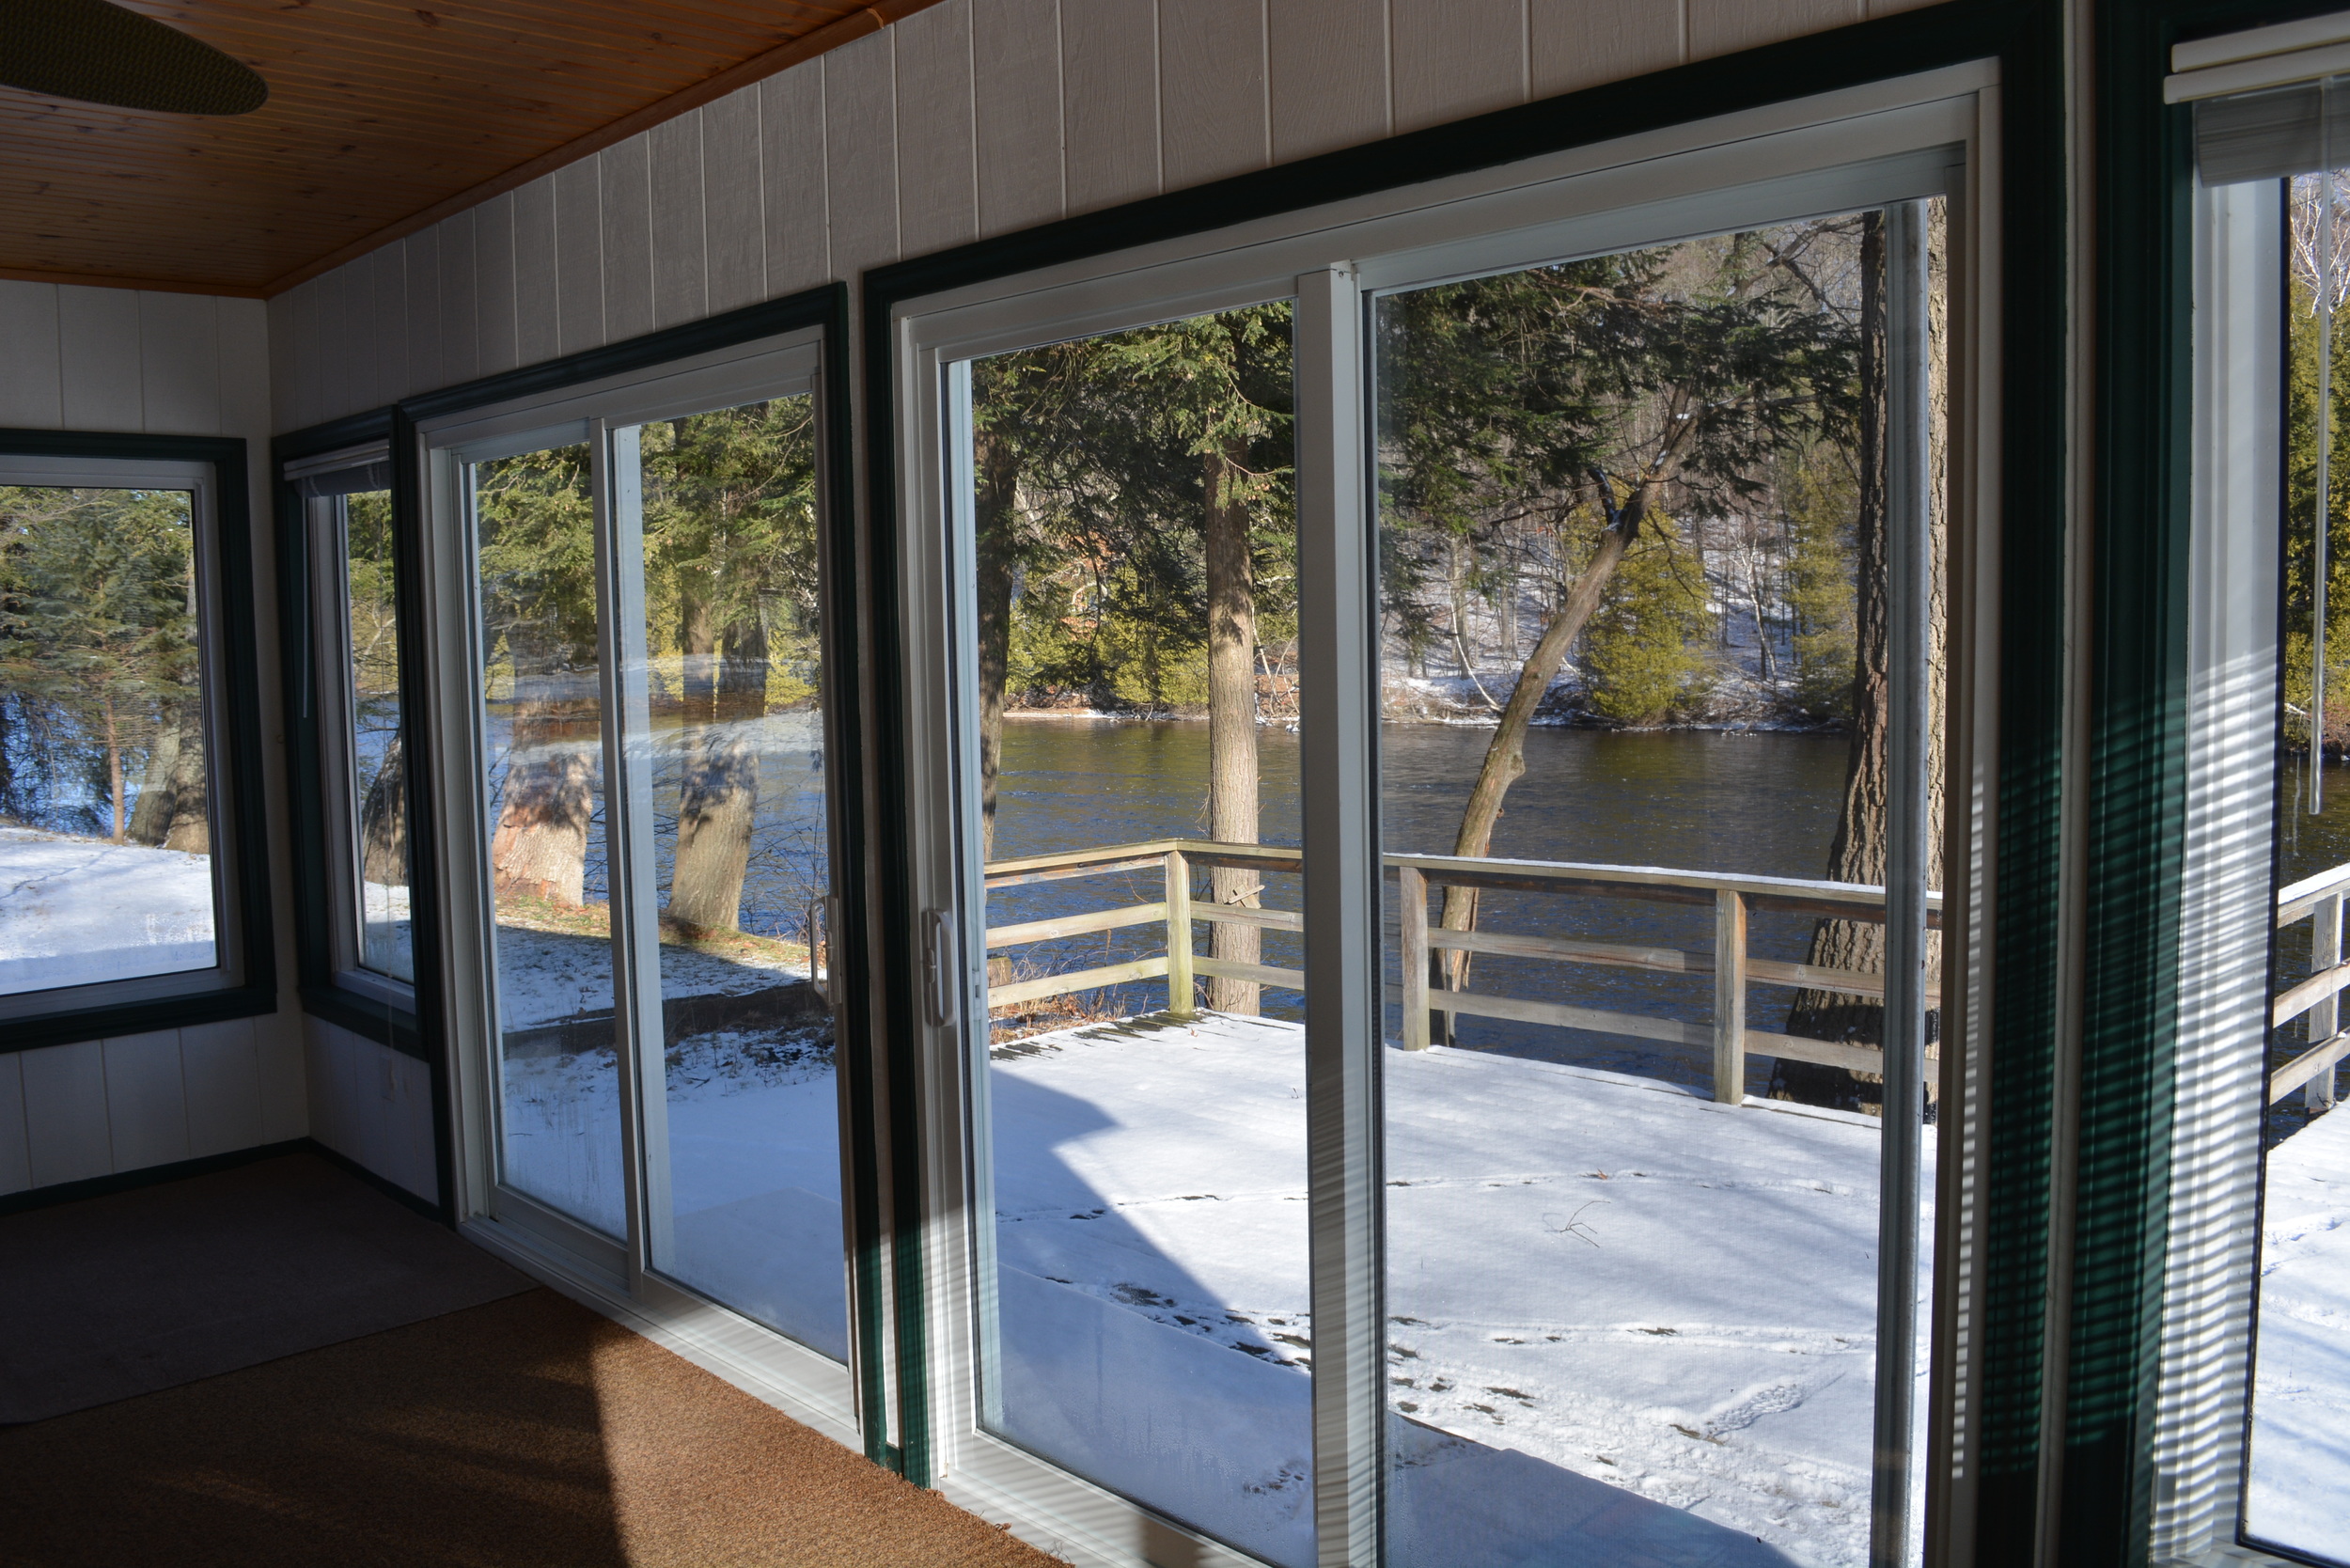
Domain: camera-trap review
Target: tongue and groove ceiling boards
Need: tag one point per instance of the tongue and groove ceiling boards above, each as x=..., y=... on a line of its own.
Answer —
x=382, y=115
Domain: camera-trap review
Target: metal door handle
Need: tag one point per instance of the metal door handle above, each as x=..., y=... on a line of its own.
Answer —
x=940, y=969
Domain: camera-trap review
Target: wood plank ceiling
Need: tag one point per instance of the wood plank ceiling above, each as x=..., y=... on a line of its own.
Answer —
x=379, y=112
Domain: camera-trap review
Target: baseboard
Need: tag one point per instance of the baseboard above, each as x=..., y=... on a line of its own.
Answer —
x=154, y=1175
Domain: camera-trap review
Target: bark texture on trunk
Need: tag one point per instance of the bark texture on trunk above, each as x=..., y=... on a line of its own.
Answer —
x=1505, y=754
x=383, y=822
x=719, y=797
x=1858, y=853
x=998, y=468
x=191, y=800
x=539, y=848
x=150, y=816
x=1231, y=721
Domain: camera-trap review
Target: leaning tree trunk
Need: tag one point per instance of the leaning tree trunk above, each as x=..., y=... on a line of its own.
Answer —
x=383, y=822
x=150, y=816
x=1232, y=722
x=190, y=805
x=1505, y=754
x=718, y=799
x=1858, y=854
x=540, y=849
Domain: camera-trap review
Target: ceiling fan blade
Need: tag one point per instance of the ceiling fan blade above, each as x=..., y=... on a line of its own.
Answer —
x=101, y=52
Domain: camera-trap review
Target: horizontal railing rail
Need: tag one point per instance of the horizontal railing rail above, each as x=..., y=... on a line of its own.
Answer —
x=1424, y=994
x=2317, y=900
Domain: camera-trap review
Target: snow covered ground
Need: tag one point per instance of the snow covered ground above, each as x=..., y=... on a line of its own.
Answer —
x=75, y=910
x=2300, y=1451
x=754, y=1163
x=1627, y=1326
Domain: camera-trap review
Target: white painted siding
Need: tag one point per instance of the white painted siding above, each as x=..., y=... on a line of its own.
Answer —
x=370, y=1104
x=973, y=117
x=163, y=364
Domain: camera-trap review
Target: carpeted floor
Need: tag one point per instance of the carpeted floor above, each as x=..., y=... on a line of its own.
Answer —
x=125, y=1294
x=528, y=1433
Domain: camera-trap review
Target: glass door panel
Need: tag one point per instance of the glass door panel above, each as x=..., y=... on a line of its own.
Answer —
x=559, y=1046
x=725, y=748
x=1142, y=1111
x=376, y=797
x=1642, y=621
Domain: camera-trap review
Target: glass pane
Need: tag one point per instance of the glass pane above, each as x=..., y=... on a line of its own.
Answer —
x=1135, y=644
x=2300, y=1464
x=1633, y=533
x=379, y=786
x=558, y=1064
x=105, y=813
x=735, y=681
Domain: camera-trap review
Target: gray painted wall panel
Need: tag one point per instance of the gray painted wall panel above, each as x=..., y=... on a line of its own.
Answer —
x=938, y=204
x=798, y=206
x=734, y=205
x=31, y=396
x=681, y=268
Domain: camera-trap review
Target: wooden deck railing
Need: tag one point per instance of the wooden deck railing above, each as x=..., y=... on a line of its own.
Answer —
x=1725, y=1036
x=2317, y=900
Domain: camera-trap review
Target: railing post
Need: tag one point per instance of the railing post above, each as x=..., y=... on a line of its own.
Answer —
x=2326, y=1017
x=1411, y=892
x=1730, y=997
x=1179, y=986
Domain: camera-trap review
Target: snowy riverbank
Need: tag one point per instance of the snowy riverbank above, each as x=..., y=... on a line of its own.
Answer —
x=76, y=911
x=2300, y=1442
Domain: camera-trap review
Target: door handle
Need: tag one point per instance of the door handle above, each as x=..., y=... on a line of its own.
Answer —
x=941, y=966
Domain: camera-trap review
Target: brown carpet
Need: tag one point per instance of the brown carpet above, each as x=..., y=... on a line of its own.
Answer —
x=114, y=1296
x=529, y=1433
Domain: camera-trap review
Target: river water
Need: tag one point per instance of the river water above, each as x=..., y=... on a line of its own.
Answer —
x=1757, y=803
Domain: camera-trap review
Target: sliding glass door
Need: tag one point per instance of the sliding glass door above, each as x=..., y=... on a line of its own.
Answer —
x=1435, y=869
x=644, y=762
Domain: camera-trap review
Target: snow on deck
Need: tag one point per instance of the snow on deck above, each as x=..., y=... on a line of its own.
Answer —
x=76, y=911
x=2300, y=1450
x=1626, y=1325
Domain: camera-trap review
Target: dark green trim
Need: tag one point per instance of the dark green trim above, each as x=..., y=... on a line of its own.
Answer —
x=2134, y=813
x=2026, y=36
x=237, y=786
x=825, y=307
x=368, y=1016
x=156, y=1175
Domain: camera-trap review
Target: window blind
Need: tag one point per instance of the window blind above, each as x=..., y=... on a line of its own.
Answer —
x=2274, y=132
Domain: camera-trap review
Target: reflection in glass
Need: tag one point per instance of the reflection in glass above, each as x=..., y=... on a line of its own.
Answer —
x=105, y=811
x=2298, y=1460
x=734, y=732
x=1634, y=517
x=559, y=1111
x=376, y=766
x=1134, y=644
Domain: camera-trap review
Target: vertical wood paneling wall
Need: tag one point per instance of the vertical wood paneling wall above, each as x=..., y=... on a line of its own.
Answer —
x=158, y=363
x=970, y=119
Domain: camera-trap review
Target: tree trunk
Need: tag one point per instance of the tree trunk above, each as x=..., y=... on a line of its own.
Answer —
x=1505, y=754
x=190, y=805
x=114, y=768
x=719, y=798
x=383, y=822
x=1858, y=853
x=1231, y=721
x=999, y=467
x=150, y=815
x=540, y=849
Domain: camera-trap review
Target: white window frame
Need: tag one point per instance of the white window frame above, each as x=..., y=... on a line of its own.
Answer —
x=330, y=693
x=1933, y=133
x=228, y=936
x=615, y=1276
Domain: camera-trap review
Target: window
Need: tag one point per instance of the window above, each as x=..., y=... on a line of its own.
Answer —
x=2250, y=1447
x=123, y=747
x=356, y=702
x=635, y=713
x=1378, y=1140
